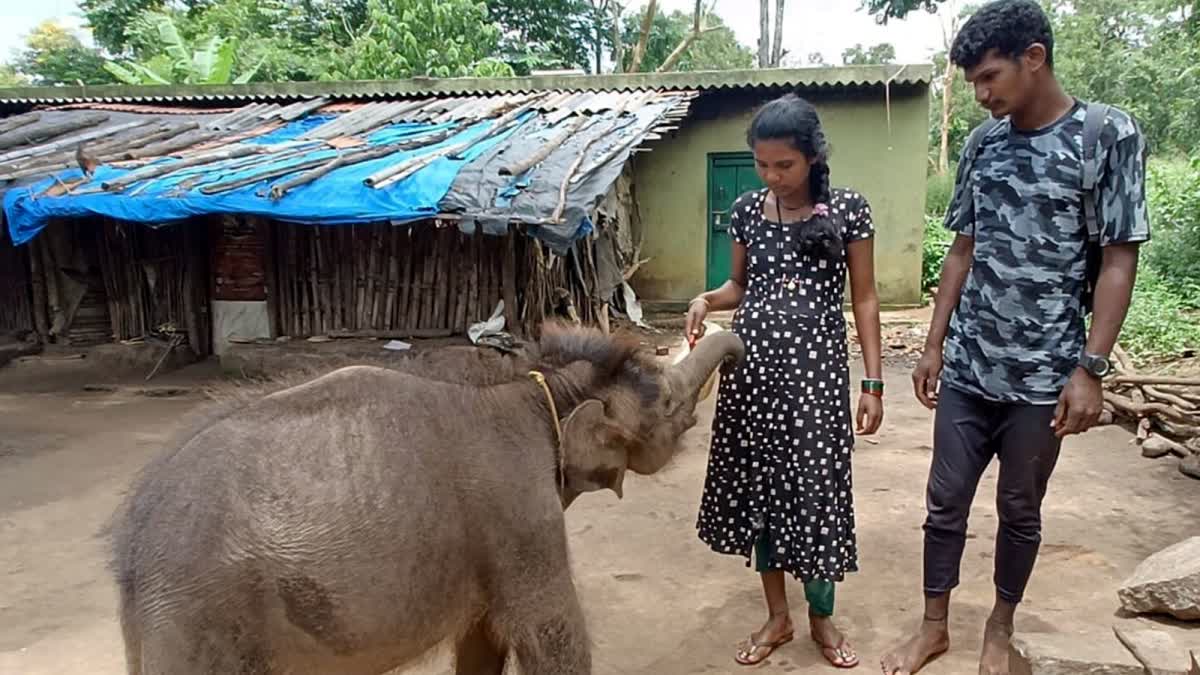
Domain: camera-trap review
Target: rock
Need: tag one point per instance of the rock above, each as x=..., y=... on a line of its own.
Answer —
x=1190, y=466
x=1155, y=650
x=1157, y=446
x=1167, y=582
x=1071, y=654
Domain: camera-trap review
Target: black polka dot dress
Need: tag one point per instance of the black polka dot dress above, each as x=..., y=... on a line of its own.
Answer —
x=782, y=437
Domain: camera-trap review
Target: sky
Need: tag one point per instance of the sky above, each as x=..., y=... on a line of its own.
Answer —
x=826, y=26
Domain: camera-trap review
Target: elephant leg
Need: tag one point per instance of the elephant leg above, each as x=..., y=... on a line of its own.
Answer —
x=554, y=640
x=478, y=654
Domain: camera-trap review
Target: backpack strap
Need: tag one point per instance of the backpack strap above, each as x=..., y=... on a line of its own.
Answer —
x=1093, y=124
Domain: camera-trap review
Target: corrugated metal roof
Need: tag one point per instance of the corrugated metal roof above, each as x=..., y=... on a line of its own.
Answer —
x=276, y=148
x=801, y=78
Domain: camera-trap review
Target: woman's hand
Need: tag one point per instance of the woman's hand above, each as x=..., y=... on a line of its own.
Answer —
x=870, y=414
x=694, y=326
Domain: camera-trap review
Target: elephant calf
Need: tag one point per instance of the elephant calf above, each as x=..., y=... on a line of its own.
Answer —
x=351, y=523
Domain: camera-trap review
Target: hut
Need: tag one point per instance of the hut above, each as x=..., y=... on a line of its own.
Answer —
x=417, y=208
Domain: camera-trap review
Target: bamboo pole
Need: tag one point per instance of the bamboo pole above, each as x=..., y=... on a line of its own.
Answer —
x=156, y=170
x=428, y=274
x=518, y=167
x=389, y=303
x=52, y=147
x=19, y=121
x=509, y=284
x=403, y=318
x=314, y=279
x=38, y=282
x=39, y=133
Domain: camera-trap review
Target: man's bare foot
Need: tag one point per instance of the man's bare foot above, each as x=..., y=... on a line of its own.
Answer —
x=775, y=632
x=911, y=656
x=996, y=639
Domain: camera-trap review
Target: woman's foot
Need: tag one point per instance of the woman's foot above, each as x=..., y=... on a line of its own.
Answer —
x=833, y=643
x=996, y=639
x=911, y=656
x=777, y=631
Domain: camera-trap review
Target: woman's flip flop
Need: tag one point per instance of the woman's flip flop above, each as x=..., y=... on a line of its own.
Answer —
x=751, y=647
x=841, y=656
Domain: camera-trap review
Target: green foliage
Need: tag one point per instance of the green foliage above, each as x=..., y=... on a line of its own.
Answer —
x=167, y=58
x=435, y=38
x=897, y=9
x=884, y=52
x=1173, y=189
x=282, y=39
x=55, y=55
x=1158, y=323
x=939, y=189
x=110, y=19
x=933, y=251
x=714, y=50
x=543, y=34
x=1141, y=55
x=9, y=77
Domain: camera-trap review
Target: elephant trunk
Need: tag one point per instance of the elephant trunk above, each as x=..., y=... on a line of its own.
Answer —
x=711, y=352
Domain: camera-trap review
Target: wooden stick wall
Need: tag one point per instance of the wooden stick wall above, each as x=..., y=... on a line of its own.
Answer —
x=153, y=277
x=16, y=308
x=413, y=281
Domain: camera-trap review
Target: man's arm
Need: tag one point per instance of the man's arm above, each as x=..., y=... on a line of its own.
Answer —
x=1114, y=290
x=1124, y=226
x=960, y=219
x=955, y=269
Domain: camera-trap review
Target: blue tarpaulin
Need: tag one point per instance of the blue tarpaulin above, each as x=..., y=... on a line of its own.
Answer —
x=340, y=197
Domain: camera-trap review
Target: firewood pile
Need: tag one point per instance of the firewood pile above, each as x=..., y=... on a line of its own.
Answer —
x=1165, y=410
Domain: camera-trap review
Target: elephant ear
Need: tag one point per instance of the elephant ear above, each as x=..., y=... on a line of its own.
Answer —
x=593, y=450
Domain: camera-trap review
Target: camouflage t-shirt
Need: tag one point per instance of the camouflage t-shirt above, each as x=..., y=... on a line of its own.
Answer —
x=1018, y=330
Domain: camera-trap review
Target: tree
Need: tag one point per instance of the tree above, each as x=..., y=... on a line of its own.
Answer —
x=1137, y=54
x=169, y=59
x=282, y=40
x=600, y=20
x=770, y=56
x=109, y=19
x=544, y=33
x=715, y=49
x=9, y=77
x=55, y=55
x=816, y=59
x=436, y=38
x=884, y=52
x=897, y=9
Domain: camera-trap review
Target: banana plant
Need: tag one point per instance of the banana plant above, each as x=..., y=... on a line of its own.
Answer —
x=177, y=62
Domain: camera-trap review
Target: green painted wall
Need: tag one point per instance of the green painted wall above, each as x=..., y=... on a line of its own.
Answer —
x=887, y=167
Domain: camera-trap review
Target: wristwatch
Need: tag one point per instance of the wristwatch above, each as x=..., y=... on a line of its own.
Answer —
x=1095, y=365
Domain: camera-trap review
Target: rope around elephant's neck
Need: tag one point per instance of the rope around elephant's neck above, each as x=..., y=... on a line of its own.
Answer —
x=562, y=461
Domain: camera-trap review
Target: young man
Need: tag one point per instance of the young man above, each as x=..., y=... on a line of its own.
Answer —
x=1008, y=346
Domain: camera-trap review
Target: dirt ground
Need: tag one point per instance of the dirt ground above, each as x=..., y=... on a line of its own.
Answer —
x=657, y=600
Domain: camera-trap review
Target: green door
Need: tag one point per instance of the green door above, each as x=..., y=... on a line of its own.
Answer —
x=729, y=175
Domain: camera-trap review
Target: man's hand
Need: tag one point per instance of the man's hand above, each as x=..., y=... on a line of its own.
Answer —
x=1079, y=406
x=925, y=377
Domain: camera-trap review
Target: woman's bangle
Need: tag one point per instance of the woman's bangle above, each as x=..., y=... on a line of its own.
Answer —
x=699, y=299
x=873, y=387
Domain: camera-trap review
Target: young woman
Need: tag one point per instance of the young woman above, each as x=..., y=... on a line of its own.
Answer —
x=779, y=481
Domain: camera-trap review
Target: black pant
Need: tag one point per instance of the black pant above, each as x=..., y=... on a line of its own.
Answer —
x=968, y=432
